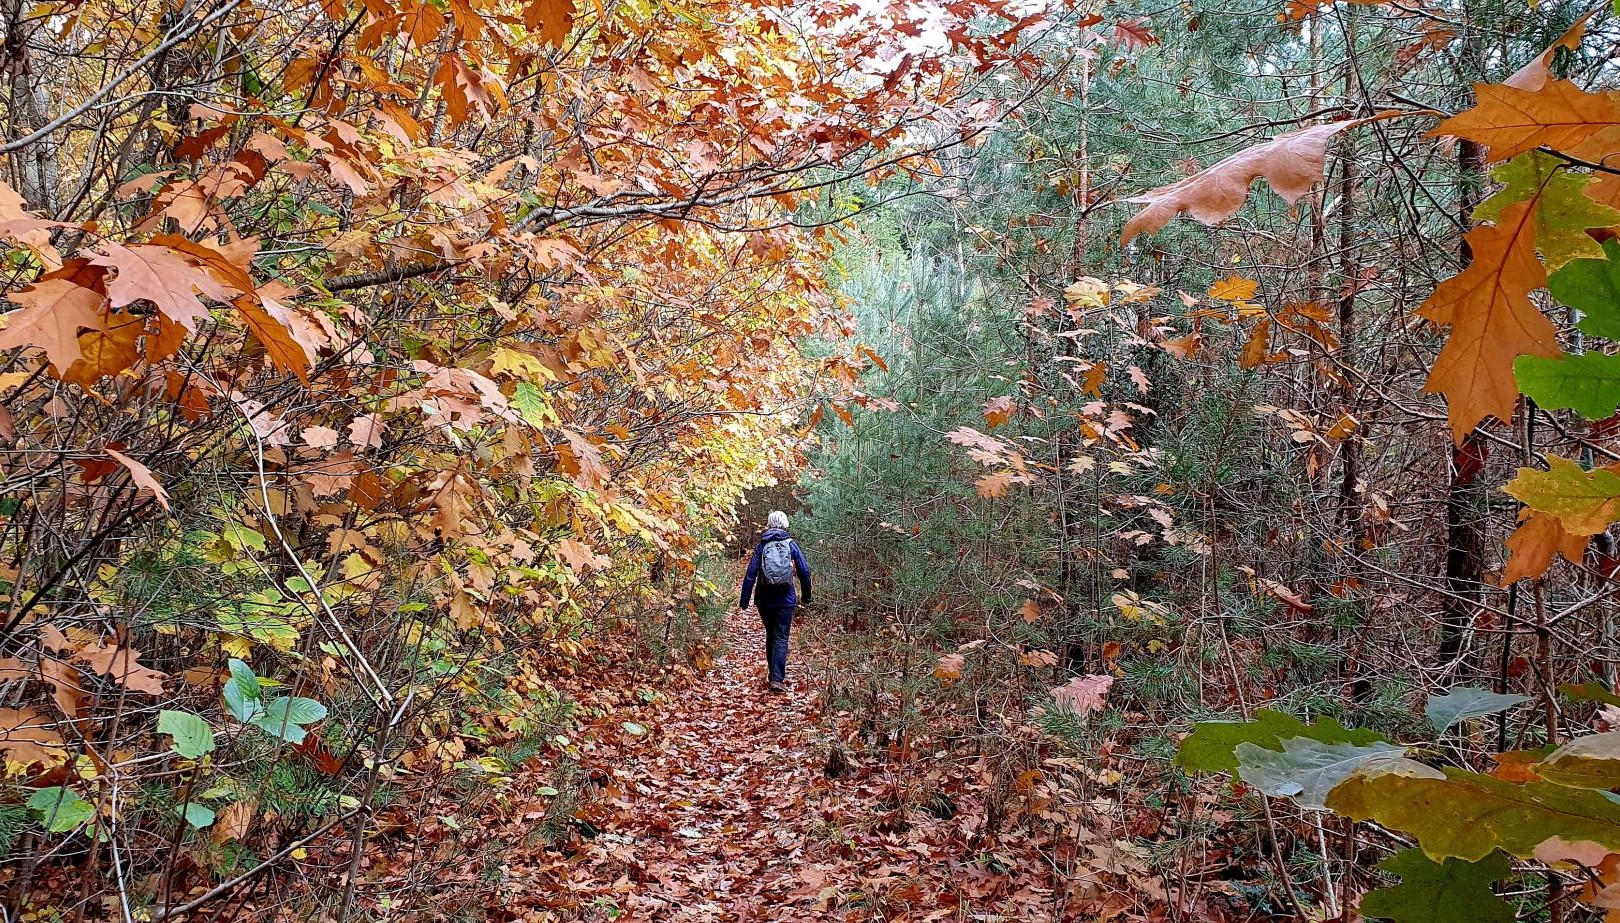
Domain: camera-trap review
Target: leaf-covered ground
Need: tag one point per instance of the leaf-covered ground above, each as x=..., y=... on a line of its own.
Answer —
x=724, y=810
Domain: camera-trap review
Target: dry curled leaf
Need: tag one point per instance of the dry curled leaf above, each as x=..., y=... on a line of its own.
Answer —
x=1291, y=163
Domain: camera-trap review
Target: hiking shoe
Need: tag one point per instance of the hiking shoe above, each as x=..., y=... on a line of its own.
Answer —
x=778, y=688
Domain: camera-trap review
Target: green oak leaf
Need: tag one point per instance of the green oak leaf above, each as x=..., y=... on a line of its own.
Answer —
x=1587, y=383
x=1451, y=892
x=1585, y=762
x=1448, y=708
x=1589, y=692
x=1584, y=502
x=1212, y=745
x=1562, y=213
x=1593, y=288
x=531, y=402
x=192, y=735
x=1468, y=815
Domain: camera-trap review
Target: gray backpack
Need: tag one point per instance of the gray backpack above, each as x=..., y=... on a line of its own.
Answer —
x=776, y=562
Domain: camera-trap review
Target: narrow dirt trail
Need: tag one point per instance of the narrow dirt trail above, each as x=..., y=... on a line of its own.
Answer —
x=707, y=815
x=723, y=812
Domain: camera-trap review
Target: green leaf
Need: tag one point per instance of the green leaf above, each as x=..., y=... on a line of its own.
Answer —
x=242, y=538
x=1584, y=502
x=60, y=810
x=634, y=729
x=192, y=735
x=1589, y=692
x=242, y=692
x=1467, y=815
x=531, y=402
x=1585, y=762
x=285, y=730
x=1448, y=708
x=1593, y=288
x=1429, y=892
x=199, y=815
x=1588, y=383
x=296, y=710
x=1212, y=745
x=1562, y=212
x=243, y=675
x=1306, y=770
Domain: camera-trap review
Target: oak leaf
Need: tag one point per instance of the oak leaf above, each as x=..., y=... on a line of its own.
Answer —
x=120, y=664
x=1533, y=544
x=1234, y=288
x=1563, y=210
x=1492, y=321
x=161, y=275
x=28, y=737
x=1084, y=694
x=579, y=556
x=1584, y=502
x=997, y=411
x=109, y=350
x=273, y=327
x=1510, y=121
x=320, y=437
x=1538, y=73
x=141, y=476
x=365, y=431
x=53, y=311
x=553, y=19
x=1291, y=163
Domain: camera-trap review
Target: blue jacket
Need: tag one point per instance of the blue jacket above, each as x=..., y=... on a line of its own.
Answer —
x=771, y=596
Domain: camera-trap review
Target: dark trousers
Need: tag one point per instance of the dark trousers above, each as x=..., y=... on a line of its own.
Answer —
x=778, y=621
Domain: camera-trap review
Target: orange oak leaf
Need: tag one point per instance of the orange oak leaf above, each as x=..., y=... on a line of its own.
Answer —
x=1084, y=694
x=141, y=476
x=553, y=19
x=120, y=664
x=586, y=459
x=1533, y=544
x=53, y=312
x=274, y=328
x=107, y=351
x=1510, y=121
x=68, y=689
x=28, y=737
x=63, y=679
x=1538, y=73
x=993, y=485
x=1492, y=321
x=997, y=411
x=423, y=23
x=320, y=437
x=1291, y=163
x=579, y=556
x=161, y=275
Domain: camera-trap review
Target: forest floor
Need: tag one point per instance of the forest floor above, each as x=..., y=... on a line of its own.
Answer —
x=725, y=810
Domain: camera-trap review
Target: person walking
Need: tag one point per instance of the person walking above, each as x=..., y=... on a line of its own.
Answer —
x=769, y=585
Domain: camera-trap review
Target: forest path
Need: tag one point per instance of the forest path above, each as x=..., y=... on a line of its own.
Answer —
x=708, y=815
x=722, y=812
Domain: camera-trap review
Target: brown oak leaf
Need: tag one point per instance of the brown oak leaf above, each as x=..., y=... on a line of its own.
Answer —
x=1291, y=163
